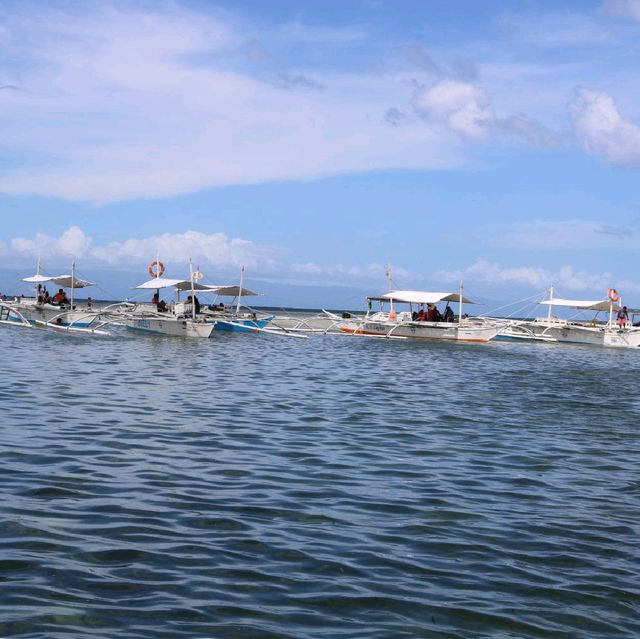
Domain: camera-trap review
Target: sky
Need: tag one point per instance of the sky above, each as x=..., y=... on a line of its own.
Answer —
x=316, y=143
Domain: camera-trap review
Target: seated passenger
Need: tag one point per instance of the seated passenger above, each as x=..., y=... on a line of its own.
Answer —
x=155, y=299
x=448, y=314
x=433, y=314
x=421, y=315
x=162, y=306
x=60, y=298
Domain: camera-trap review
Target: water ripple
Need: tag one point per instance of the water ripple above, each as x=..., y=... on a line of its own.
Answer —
x=272, y=488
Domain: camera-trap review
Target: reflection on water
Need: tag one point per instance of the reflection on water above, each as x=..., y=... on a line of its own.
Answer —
x=335, y=487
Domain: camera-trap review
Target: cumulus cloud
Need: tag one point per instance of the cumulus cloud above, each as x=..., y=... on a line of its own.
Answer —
x=72, y=243
x=566, y=278
x=214, y=249
x=466, y=109
x=602, y=131
x=462, y=106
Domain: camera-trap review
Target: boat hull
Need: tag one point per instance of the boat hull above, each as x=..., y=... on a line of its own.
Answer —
x=46, y=314
x=171, y=327
x=446, y=331
x=241, y=324
x=570, y=333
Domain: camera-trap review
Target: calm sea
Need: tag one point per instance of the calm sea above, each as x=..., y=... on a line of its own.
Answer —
x=265, y=487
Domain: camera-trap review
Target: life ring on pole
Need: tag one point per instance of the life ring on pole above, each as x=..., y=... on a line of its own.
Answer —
x=159, y=268
x=613, y=295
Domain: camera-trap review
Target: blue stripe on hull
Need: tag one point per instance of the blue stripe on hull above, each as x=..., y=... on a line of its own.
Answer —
x=78, y=324
x=248, y=327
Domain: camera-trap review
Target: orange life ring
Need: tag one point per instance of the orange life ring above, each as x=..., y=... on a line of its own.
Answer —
x=159, y=272
x=613, y=295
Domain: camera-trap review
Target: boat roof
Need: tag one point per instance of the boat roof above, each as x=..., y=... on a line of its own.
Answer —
x=420, y=297
x=66, y=281
x=186, y=285
x=587, y=305
x=232, y=291
x=159, y=282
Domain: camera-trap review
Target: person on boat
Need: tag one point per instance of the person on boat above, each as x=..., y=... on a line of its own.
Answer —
x=421, y=314
x=448, y=314
x=622, y=317
x=196, y=303
x=162, y=306
x=46, y=298
x=155, y=299
x=433, y=314
x=60, y=298
x=89, y=303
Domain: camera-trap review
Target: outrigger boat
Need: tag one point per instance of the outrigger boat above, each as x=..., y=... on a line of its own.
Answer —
x=61, y=314
x=411, y=325
x=576, y=331
x=190, y=318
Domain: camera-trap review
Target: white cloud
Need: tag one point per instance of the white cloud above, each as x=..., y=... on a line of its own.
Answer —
x=565, y=279
x=602, y=131
x=461, y=106
x=72, y=243
x=92, y=125
x=215, y=249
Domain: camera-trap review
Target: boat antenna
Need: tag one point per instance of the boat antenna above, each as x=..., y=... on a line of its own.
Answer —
x=389, y=275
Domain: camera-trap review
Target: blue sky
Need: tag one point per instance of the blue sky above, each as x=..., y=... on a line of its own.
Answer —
x=315, y=142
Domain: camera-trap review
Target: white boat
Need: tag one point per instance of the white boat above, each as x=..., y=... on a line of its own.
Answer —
x=158, y=319
x=592, y=331
x=409, y=325
x=191, y=318
x=61, y=314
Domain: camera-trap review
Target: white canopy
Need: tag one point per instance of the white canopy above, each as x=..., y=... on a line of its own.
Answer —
x=37, y=279
x=588, y=305
x=67, y=281
x=160, y=282
x=420, y=297
x=59, y=280
x=231, y=291
x=185, y=285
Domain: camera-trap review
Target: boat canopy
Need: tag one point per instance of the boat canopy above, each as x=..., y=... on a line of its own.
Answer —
x=420, y=297
x=231, y=291
x=587, y=305
x=185, y=285
x=66, y=281
x=161, y=282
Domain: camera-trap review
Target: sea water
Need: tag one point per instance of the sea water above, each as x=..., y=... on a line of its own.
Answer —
x=268, y=487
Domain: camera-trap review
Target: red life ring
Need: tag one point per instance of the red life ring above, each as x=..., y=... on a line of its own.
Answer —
x=159, y=272
x=613, y=295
